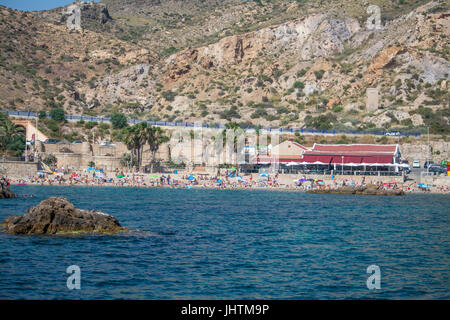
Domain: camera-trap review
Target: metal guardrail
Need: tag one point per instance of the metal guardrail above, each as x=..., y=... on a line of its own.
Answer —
x=14, y=159
x=220, y=126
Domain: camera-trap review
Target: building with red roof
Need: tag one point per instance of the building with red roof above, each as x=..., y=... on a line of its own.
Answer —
x=370, y=159
x=288, y=151
x=352, y=154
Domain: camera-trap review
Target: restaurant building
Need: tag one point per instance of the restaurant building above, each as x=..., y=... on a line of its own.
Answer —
x=288, y=152
x=353, y=158
x=349, y=159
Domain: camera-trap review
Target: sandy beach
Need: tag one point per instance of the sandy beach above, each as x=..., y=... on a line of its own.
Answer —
x=278, y=182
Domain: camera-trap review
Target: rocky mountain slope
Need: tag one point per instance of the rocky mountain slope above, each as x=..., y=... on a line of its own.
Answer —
x=278, y=63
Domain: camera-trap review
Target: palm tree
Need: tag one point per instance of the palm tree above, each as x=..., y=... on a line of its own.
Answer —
x=142, y=135
x=135, y=138
x=129, y=141
x=9, y=135
x=237, y=132
x=193, y=135
x=206, y=142
x=258, y=134
x=169, y=147
x=155, y=139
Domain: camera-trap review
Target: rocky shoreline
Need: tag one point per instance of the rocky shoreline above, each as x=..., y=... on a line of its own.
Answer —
x=5, y=192
x=59, y=216
x=371, y=190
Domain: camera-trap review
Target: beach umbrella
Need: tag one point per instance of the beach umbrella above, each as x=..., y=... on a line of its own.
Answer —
x=264, y=174
x=422, y=185
x=120, y=176
x=219, y=181
x=154, y=176
x=191, y=178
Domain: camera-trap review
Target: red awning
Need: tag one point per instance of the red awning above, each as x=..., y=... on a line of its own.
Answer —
x=355, y=148
x=314, y=158
x=327, y=159
x=266, y=160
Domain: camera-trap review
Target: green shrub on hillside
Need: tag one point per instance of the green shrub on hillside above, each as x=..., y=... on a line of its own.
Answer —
x=118, y=121
x=58, y=115
x=299, y=85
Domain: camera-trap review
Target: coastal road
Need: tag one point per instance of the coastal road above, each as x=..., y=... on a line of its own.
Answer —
x=198, y=126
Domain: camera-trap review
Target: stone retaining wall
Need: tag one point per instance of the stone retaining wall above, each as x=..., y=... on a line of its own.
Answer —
x=16, y=169
x=421, y=152
x=81, y=161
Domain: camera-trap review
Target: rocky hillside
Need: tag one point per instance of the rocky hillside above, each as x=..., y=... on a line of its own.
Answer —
x=279, y=63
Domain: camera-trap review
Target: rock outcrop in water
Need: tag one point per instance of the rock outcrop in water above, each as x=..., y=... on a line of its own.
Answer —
x=370, y=189
x=5, y=192
x=58, y=215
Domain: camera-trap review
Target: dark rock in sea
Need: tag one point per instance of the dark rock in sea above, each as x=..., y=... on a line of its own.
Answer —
x=5, y=192
x=58, y=215
x=361, y=190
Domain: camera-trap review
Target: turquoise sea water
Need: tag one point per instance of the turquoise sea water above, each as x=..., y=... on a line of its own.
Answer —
x=211, y=244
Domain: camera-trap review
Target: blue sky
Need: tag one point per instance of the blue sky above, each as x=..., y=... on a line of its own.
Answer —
x=34, y=5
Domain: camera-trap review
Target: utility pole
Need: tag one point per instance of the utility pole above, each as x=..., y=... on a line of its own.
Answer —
x=429, y=151
x=34, y=140
x=26, y=147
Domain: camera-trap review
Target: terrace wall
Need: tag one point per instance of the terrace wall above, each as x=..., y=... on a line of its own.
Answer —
x=17, y=169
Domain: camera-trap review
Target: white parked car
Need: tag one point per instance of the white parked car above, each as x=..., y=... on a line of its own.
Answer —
x=394, y=134
x=107, y=144
x=416, y=164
